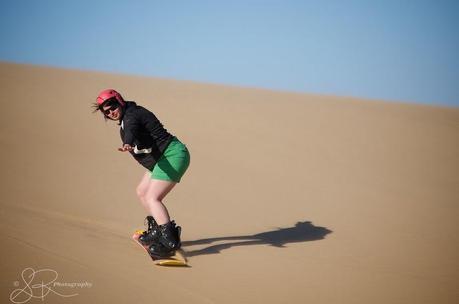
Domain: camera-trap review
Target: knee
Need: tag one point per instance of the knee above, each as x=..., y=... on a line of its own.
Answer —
x=141, y=191
x=144, y=195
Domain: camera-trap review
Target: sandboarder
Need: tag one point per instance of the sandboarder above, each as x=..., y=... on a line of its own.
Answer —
x=164, y=156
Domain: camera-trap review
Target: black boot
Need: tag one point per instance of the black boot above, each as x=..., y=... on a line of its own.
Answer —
x=168, y=241
x=152, y=234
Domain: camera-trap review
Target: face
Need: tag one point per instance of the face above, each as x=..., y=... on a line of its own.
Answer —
x=112, y=111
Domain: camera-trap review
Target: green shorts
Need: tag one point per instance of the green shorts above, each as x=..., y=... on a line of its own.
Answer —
x=173, y=163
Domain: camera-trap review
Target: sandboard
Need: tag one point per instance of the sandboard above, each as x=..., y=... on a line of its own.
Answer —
x=178, y=259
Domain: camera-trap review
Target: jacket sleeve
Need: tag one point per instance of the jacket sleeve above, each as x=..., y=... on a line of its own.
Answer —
x=130, y=127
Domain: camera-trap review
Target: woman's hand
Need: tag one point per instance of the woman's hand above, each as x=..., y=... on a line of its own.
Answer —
x=125, y=148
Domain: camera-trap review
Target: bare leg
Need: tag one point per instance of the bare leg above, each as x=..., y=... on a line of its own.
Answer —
x=142, y=189
x=151, y=193
x=157, y=190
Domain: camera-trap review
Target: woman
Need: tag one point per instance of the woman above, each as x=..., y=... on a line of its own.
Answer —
x=161, y=153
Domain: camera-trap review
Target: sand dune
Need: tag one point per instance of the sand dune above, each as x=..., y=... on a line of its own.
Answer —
x=289, y=197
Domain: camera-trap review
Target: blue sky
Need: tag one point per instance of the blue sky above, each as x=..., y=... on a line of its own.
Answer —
x=394, y=50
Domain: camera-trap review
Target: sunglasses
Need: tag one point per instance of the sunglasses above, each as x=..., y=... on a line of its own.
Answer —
x=113, y=106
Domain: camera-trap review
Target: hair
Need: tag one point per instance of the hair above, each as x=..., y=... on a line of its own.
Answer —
x=95, y=107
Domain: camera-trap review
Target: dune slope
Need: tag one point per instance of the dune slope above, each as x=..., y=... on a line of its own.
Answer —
x=289, y=197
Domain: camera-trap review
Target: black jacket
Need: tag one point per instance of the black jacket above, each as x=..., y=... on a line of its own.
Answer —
x=141, y=129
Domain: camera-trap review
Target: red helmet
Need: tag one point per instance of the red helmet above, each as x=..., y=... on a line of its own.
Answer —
x=108, y=94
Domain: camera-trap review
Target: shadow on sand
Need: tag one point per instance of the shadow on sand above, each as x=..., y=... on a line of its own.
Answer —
x=301, y=232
